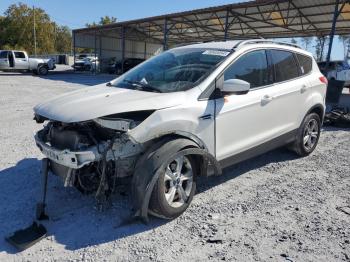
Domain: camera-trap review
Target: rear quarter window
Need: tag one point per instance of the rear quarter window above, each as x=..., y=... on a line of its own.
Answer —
x=285, y=65
x=305, y=63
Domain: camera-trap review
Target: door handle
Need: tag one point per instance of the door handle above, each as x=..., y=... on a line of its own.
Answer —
x=266, y=99
x=206, y=117
x=304, y=88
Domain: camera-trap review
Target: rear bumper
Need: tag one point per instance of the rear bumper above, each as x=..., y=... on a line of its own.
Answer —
x=68, y=158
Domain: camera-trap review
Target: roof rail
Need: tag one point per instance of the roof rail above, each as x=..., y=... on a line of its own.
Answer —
x=256, y=41
x=185, y=44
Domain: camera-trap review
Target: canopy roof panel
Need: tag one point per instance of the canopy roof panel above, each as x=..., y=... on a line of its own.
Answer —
x=253, y=19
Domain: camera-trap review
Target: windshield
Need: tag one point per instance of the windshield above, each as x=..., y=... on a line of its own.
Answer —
x=173, y=71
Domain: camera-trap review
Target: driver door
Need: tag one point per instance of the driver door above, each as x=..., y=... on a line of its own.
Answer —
x=244, y=121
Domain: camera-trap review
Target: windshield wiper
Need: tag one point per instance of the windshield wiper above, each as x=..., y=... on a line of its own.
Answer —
x=142, y=85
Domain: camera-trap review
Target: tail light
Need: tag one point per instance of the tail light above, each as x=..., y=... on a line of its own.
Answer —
x=324, y=80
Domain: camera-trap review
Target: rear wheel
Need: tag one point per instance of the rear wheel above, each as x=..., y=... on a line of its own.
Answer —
x=308, y=135
x=174, y=190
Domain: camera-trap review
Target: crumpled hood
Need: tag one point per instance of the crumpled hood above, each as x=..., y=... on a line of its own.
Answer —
x=97, y=101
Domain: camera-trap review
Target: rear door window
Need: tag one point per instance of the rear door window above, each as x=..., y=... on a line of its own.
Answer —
x=285, y=65
x=305, y=63
x=19, y=55
x=251, y=67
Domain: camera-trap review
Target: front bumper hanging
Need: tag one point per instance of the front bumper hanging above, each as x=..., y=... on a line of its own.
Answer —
x=68, y=158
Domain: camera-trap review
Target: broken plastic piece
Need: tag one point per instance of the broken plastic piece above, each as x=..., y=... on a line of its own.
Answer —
x=25, y=238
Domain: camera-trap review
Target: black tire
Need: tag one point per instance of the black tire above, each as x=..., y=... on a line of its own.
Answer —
x=311, y=128
x=43, y=70
x=87, y=68
x=159, y=205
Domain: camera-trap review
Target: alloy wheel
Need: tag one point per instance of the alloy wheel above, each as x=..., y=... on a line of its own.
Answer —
x=311, y=133
x=178, y=181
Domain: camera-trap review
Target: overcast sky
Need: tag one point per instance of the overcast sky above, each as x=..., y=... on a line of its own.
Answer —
x=76, y=13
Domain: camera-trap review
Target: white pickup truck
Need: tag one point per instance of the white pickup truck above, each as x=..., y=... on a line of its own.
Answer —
x=13, y=60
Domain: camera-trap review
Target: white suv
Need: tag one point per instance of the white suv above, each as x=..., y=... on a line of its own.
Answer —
x=165, y=121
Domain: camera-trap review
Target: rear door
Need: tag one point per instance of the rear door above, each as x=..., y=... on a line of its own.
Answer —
x=290, y=91
x=21, y=61
x=4, y=61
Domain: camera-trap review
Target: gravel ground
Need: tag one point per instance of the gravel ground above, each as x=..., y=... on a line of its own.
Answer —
x=275, y=207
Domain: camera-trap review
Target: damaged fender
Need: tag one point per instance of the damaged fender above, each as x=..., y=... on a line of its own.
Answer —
x=154, y=161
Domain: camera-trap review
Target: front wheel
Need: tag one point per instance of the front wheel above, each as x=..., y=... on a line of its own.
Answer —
x=43, y=70
x=308, y=135
x=175, y=187
x=87, y=68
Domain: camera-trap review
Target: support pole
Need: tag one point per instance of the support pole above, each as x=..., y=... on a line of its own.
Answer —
x=145, y=51
x=165, y=32
x=100, y=46
x=95, y=53
x=122, y=36
x=226, y=25
x=74, y=51
x=331, y=36
x=34, y=30
x=40, y=208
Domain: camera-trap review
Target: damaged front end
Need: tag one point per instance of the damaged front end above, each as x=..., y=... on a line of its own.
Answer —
x=91, y=155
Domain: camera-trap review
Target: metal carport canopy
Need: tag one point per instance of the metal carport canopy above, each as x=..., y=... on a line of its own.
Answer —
x=253, y=19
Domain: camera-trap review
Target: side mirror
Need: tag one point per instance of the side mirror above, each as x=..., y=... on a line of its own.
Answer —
x=235, y=86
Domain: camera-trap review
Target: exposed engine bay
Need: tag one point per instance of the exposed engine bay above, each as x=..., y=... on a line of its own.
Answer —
x=91, y=155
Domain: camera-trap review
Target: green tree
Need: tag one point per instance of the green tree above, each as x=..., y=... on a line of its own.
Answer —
x=17, y=31
x=321, y=44
x=2, y=29
x=307, y=41
x=63, y=40
x=105, y=20
x=293, y=41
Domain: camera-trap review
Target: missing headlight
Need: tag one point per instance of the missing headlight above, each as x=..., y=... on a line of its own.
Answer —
x=123, y=121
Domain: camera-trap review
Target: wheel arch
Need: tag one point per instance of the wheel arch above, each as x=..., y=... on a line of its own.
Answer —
x=318, y=109
x=42, y=64
x=181, y=134
x=189, y=140
x=146, y=173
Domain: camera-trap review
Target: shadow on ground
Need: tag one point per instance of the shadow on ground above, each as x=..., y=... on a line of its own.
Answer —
x=278, y=155
x=74, y=222
x=83, y=78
